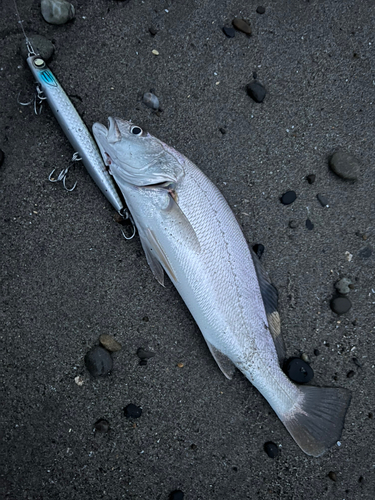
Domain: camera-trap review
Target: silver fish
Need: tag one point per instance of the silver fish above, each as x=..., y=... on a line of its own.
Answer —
x=188, y=230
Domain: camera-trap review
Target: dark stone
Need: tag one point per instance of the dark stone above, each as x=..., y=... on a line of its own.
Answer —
x=365, y=252
x=288, y=198
x=98, y=361
x=293, y=224
x=340, y=305
x=222, y=130
x=258, y=249
x=271, y=449
x=332, y=475
x=309, y=225
x=143, y=362
x=255, y=76
x=344, y=165
x=316, y=352
x=145, y=319
x=298, y=370
x=356, y=362
x=176, y=495
x=311, y=178
x=101, y=425
x=193, y=446
x=261, y=10
x=256, y=91
x=229, y=31
x=143, y=354
x=132, y=411
x=350, y=374
x=2, y=156
x=152, y=30
x=242, y=25
x=322, y=200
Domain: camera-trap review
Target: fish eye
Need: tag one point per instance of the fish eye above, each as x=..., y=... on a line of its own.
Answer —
x=136, y=130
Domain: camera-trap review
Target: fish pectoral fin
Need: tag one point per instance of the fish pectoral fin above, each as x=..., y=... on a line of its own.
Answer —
x=156, y=257
x=182, y=229
x=270, y=298
x=225, y=364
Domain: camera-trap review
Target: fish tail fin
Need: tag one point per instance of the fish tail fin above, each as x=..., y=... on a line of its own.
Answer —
x=317, y=422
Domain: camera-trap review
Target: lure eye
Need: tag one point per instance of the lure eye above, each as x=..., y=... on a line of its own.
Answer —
x=136, y=130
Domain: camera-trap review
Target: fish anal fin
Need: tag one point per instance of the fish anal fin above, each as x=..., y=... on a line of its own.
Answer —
x=225, y=364
x=270, y=298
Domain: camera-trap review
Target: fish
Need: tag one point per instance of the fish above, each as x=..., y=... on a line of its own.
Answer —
x=189, y=232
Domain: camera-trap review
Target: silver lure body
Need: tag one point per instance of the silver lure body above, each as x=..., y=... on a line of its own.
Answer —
x=75, y=129
x=188, y=230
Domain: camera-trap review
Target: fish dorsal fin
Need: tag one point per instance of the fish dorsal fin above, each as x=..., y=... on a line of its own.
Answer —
x=225, y=364
x=270, y=298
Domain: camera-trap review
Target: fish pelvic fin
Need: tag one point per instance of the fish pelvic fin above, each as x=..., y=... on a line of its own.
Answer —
x=225, y=364
x=317, y=421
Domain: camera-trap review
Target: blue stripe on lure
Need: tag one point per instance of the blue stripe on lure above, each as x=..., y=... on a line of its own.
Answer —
x=47, y=77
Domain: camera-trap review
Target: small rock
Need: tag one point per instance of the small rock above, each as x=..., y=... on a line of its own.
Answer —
x=288, y=198
x=79, y=380
x=332, y=475
x=342, y=286
x=256, y=91
x=340, y=305
x=150, y=100
x=2, y=156
x=143, y=354
x=222, y=130
x=293, y=224
x=41, y=45
x=298, y=370
x=229, y=31
x=309, y=225
x=311, y=178
x=365, y=252
x=344, y=165
x=152, y=30
x=98, y=361
x=271, y=449
x=180, y=365
x=109, y=343
x=143, y=362
x=305, y=357
x=242, y=25
x=258, y=249
x=176, y=495
x=316, y=352
x=57, y=11
x=356, y=362
x=261, y=10
x=155, y=52
x=101, y=425
x=132, y=411
x=350, y=374
x=322, y=200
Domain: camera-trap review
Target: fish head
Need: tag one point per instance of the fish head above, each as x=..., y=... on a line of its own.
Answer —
x=134, y=156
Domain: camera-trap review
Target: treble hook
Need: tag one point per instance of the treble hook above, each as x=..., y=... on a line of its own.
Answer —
x=38, y=99
x=64, y=172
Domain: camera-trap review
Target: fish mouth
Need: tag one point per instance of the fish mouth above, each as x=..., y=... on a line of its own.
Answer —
x=112, y=134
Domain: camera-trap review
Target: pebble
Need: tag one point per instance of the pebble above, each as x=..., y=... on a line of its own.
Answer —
x=229, y=31
x=258, y=249
x=261, y=10
x=293, y=224
x=309, y=225
x=316, y=352
x=143, y=362
x=242, y=25
x=340, y=305
x=256, y=91
x=322, y=200
x=155, y=52
x=57, y=11
x=109, y=343
x=298, y=370
x=332, y=475
x=41, y=45
x=2, y=156
x=176, y=495
x=98, y=361
x=311, y=178
x=152, y=30
x=101, y=425
x=344, y=165
x=350, y=374
x=151, y=100
x=271, y=449
x=143, y=354
x=365, y=252
x=288, y=198
x=223, y=130
x=132, y=411
x=305, y=357
x=342, y=286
